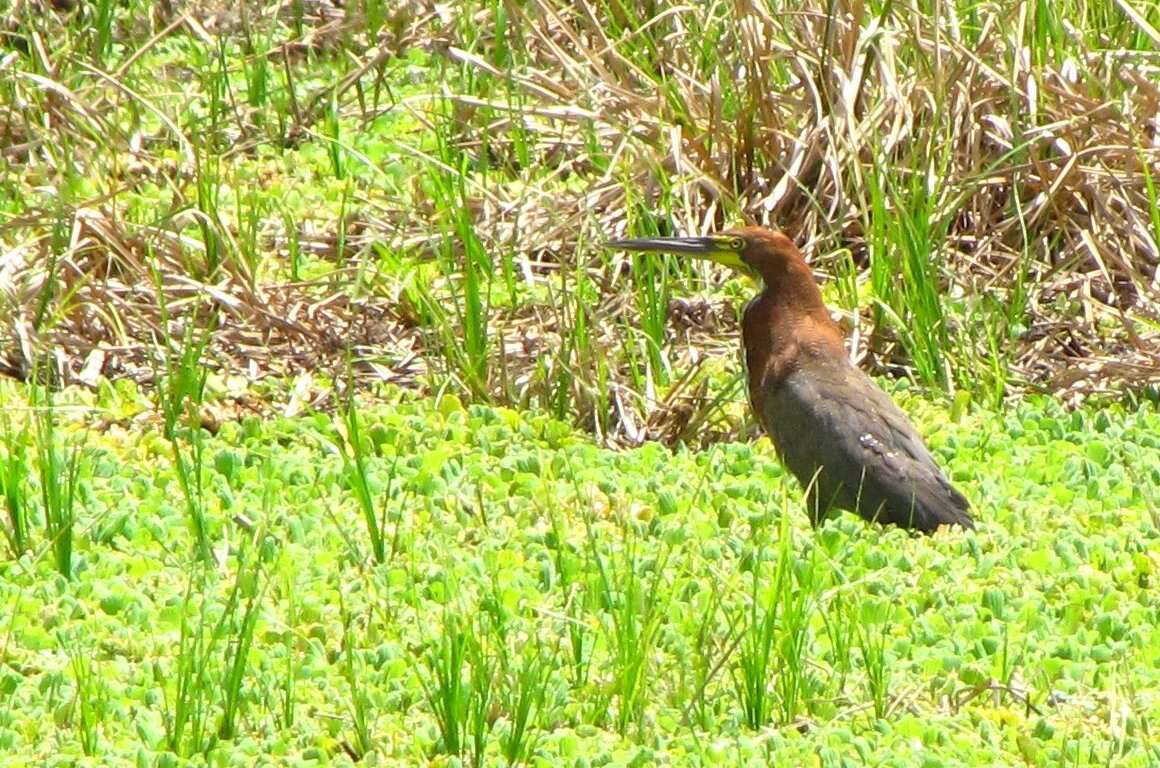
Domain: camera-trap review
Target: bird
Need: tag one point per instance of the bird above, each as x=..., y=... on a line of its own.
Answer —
x=843, y=438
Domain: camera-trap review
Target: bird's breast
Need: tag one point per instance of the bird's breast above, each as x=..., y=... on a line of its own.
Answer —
x=780, y=337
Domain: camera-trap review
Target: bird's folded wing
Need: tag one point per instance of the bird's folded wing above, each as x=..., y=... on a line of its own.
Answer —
x=829, y=414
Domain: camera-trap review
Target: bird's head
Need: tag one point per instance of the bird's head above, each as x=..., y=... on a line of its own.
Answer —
x=754, y=251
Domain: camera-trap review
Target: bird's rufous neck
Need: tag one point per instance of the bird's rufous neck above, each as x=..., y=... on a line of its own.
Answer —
x=787, y=320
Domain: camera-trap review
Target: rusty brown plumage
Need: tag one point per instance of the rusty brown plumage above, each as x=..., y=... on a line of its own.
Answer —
x=840, y=435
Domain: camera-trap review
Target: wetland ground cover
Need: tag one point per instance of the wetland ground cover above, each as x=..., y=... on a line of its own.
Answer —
x=538, y=597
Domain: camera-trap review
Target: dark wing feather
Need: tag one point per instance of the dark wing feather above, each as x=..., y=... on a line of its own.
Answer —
x=851, y=446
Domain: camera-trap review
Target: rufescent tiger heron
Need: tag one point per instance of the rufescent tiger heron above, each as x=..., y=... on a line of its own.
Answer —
x=841, y=436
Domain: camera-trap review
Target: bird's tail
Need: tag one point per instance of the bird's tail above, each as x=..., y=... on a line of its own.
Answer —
x=932, y=510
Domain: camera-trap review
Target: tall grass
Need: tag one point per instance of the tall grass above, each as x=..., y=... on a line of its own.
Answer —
x=15, y=475
x=458, y=687
x=354, y=450
x=180, y=396
x=632, y=601
x=202, y=688
x=58, y=469
x=651, y=284
x=353, y=671
x=870, y=621
x=467, y=266
x=950, y=149
x=91, y=703
x=188, y=689
x=524, y=694
x=236, y=630
x=904, y=233
x=770, y=674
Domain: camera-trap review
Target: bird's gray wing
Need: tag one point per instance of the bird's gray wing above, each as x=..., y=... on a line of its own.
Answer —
x=834, y=428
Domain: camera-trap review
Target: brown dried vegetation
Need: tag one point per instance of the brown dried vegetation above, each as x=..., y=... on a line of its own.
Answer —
x=1039, y=164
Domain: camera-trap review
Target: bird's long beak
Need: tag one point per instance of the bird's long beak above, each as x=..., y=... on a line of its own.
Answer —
x=711, y=248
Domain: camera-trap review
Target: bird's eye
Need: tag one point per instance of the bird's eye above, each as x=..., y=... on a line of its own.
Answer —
x=737, y=244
